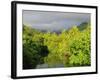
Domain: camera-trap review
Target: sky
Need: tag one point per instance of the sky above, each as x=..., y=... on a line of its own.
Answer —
x=53, y=21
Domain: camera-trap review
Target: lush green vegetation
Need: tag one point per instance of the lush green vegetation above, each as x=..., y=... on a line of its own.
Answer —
x=68, y=47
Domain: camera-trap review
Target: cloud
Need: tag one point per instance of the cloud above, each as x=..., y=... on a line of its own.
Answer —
x=53, y=20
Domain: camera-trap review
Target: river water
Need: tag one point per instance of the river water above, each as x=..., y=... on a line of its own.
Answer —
x=46, y=66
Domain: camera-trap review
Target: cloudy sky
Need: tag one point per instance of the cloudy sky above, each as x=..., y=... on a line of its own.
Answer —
x=53, y=21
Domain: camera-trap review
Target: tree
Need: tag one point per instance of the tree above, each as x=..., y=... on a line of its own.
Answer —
x=71, y=47
x=33, y=48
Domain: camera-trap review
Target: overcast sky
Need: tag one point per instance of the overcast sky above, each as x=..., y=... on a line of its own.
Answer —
x=53, y=21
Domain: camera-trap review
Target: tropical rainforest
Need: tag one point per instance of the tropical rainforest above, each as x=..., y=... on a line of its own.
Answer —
x=69, y=47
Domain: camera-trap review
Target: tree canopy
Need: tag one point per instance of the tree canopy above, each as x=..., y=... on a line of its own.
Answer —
x=71, y=47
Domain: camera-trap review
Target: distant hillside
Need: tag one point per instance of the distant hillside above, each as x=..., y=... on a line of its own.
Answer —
x=29, y=30
x=83, y=26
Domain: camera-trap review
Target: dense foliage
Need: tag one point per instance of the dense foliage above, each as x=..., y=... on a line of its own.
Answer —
x=69, y=47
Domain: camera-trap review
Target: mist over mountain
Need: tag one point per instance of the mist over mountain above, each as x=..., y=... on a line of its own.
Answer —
x=53, y=21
